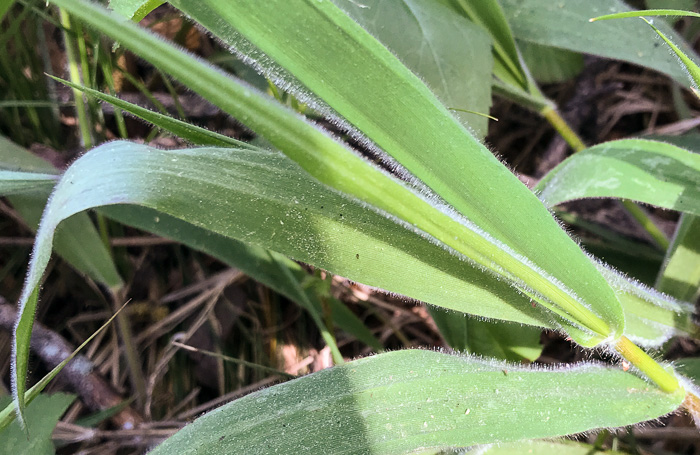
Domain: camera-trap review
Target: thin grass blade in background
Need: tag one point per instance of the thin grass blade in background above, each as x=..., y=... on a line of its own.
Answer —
x=489, y=15
x=401, y=401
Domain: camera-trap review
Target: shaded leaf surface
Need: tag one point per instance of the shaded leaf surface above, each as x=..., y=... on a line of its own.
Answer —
x=404, y=400
x=564, y=24
x=449, y=53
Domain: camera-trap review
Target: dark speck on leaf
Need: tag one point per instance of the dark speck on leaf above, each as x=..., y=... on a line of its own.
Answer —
x=357, y=256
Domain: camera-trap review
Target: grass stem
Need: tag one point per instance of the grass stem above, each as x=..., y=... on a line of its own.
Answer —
x=640, y=359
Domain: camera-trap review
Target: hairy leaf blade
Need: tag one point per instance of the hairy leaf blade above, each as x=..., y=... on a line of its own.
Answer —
x=646, y=171
x=134, y=9
x=400, y=401
x=337, y=167
x=43, y=414
x=297, y=216
x=433, y=146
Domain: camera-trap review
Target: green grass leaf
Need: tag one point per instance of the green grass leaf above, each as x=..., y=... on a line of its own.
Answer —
x=432, y=145
x=645, y=13
x=646, y=171
x=492, y=339
x=405, y=400
x=489, y=15
x=565, y=24
x=41, y=418
x=15, y=182
x=338, y=167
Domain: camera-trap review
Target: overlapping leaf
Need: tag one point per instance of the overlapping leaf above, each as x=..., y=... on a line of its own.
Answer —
x=77, y=241
x=646, y=171
x=401, y=401
x=565, y=24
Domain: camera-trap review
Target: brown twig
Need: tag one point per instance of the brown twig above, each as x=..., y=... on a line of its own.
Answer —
x=79, y=374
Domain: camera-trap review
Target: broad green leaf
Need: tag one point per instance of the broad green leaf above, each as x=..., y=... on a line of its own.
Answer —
x=449, y=53
x=546, y=448
x=652, y=172
x=336, y=166
x=680, y=275
x=134, y=9
x=492, y=339
x=565, y=24
x=432, y=145
x=15, y=182
x=260, y=264
x=548, y=64
x=41, y=418
x=77, y=241
x=402, y=401
x=296, y=216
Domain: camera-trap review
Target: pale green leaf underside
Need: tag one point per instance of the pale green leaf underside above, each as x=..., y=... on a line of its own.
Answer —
x=260, y=264
x=228, y=191
x=565, y=24
x=646, y=171
x=401, y=401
